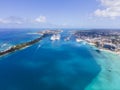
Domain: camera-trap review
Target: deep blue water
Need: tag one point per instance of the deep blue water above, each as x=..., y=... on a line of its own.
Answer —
x=46, y=65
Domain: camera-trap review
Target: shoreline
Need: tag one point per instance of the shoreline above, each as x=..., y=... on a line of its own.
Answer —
x=21, y=46
x=103, y=49
x=113, y=52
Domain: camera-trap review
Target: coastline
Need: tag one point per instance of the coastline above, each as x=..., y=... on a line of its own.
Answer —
x=103, y=49
x=110, y=64
x=21, y=46
x=113, y=52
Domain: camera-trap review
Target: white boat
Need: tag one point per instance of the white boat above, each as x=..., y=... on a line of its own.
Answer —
x=55, y=37
x=67, y=39
x=3, y=45
x=78, y=40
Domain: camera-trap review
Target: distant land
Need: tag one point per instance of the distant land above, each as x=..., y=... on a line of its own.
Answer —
x=106, y=39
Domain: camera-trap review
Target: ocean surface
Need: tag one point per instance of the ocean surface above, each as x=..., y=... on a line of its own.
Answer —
x=58, y=65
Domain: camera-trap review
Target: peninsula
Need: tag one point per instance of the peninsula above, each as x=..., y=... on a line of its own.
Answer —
x=26, y=44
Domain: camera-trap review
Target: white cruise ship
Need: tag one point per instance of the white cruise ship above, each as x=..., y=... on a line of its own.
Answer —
x=55, y=37
x=78, y=40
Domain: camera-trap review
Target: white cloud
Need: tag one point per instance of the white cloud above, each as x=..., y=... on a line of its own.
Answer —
x=111, y=9
x=18, y=20
x=3, y=21
x=41, y=19
x=12, y=20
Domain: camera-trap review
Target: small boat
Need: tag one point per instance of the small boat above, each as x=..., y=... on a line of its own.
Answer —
x=3, y=45
x=98, y=51
x=67, y=39
x=39, y=46
x=78, y=40
x=55, y=37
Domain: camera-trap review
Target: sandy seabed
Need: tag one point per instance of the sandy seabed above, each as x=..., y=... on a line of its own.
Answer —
x=109, y=77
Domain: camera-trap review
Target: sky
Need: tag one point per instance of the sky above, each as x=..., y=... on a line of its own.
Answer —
x=59, y=13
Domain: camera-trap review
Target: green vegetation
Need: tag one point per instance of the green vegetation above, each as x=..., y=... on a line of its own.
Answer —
x=23, y=45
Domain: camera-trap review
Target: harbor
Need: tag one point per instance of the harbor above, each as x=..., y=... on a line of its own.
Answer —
x=43, y=34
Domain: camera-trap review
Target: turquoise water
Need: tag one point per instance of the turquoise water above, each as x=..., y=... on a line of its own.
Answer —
x=55, y=65
x=109, y=77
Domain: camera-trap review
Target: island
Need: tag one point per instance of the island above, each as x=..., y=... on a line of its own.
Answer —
x=43, y=34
